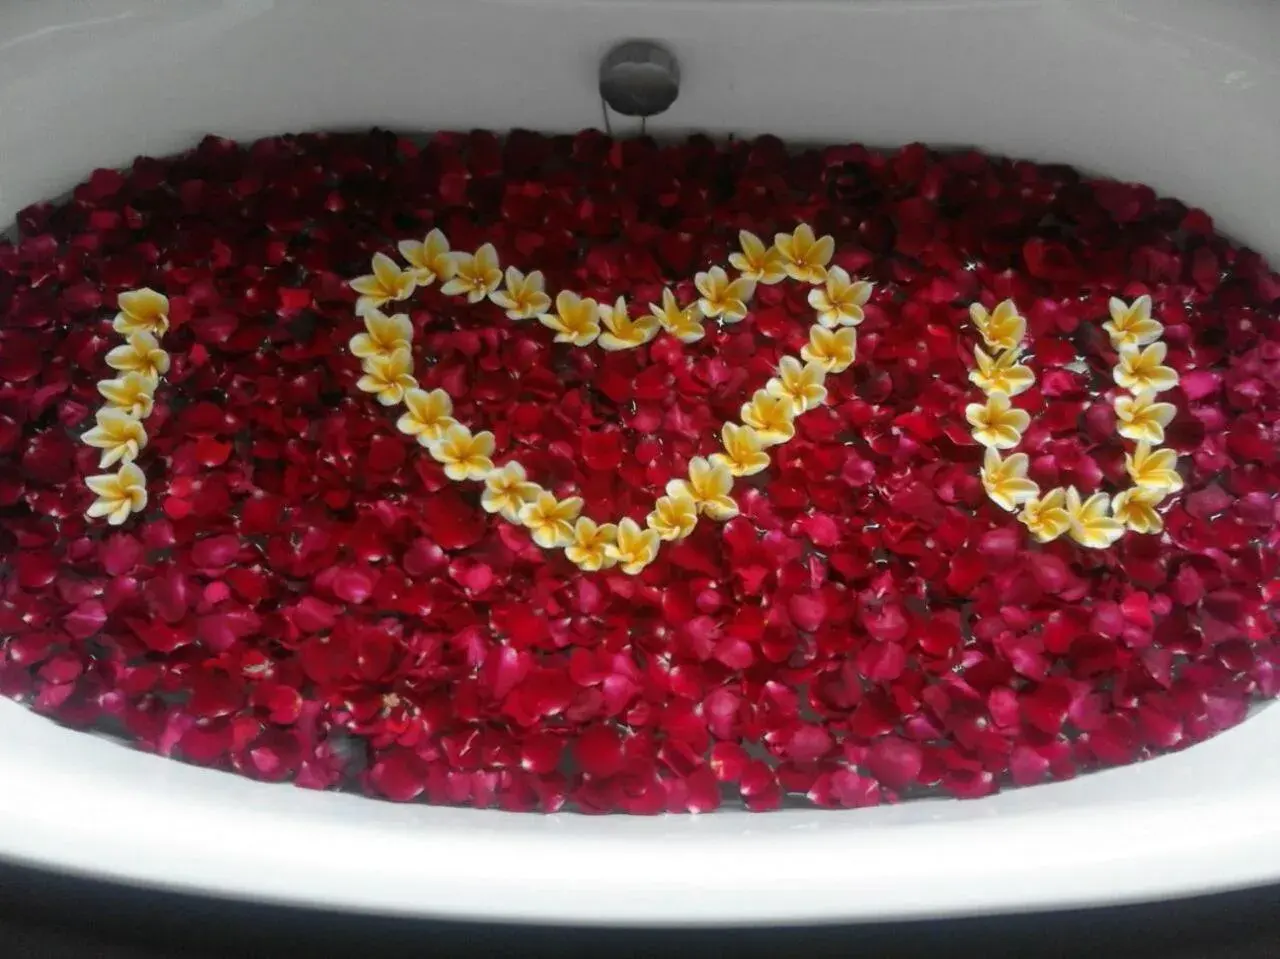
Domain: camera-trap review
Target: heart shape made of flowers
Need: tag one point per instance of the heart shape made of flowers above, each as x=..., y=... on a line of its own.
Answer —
x=767, y=418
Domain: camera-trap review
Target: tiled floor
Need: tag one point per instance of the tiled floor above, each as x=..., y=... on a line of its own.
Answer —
x=49, y=916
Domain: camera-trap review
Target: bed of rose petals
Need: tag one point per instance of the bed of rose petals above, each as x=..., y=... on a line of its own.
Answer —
x=307, y=598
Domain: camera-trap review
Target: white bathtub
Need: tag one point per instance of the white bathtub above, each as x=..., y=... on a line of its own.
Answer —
x=1182, y=94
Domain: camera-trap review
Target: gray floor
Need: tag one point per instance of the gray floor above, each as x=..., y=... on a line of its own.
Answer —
x=43, y=915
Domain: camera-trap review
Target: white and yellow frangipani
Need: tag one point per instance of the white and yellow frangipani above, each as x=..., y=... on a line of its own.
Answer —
x=141, y=353
x=142, y=311
x=1005, y=479
x=118, y=431
x=997, y=423
x=771, y=416
x=1001, y=373
x=1136, y=509
x=756, y=261
x=383, y=334
x=465, y=456
x=1131, y=324
x=1098, y=520
x=1046, y=517
x=475, y=275
x=768, y=418
x=708, y=485
x=673, y=517
x=721, y=297
x=1003, y=328
x=833, y=350
x=523, y=297
x=576, y=320
x=1143, y=370
x=118, y=494
x=801, y=383
x=682, y=322
x=1091, y=522
x=427, y=415
x=1141, y=419
x=621, y=332
x=634, y=548
x=840, y=300
x=118, y=434
x=744, y=453
x=388, y=376
x=551, y=521
x=1154, y=469
x=589, y=548
x=387, y=283
x=429, y=259
x=132, y=393
x=507, y=490
x=804, y=256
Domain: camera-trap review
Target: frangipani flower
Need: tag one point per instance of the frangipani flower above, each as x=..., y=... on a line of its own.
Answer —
x=673, y=517
x=140, y=354
x=803, y=257
x=388, y=376
x=387, y=282
x=685, y=324
x=524, y=297
x=507, y=490
x=708, y=486
x=756, y=262
x=465, y=457
x=1003, y=328
x=474, y=274
x=635, y=548
x=142, y=311
x=1136, y=509
x=590, y=546
x=1001, y=374
x=833, y=350
x=429, y=259
x=133, y=393
x=383, y=334
x=118, y=435
x=551, y=521
x=1131, y=324
x=1046, y=517
x=801, y=384
x=119, y=494
x=1005, y=480
x=722, y=297
x=622, y=332
x=1091, y=522
x=427, y=415
x=772, y=417
x=576, y=320
x=840, y=301
x=1143, y=371
x=996, y=423
x=743, y=454
x=1141, y=418
x=1154, y=469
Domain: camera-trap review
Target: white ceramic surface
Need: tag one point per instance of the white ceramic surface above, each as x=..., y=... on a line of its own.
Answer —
x=1184, y=95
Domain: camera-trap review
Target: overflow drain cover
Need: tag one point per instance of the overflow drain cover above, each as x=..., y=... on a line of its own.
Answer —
x=639, y=78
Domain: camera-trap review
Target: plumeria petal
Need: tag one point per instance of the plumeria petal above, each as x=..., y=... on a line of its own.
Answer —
x=684, y=323
x=756, y=262
x=1091, y=522
x=634, y=548
x=142, y=311
x=118, y=494
x=465, y=456
x=805, y=257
